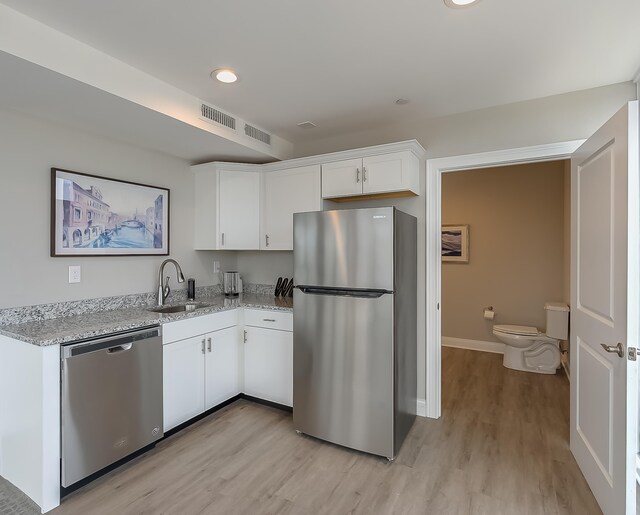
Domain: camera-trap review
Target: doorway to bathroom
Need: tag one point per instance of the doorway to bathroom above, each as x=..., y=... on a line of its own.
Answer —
x=505, y=257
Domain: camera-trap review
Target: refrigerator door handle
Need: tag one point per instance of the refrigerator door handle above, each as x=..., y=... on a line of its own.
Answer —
x=343, y=292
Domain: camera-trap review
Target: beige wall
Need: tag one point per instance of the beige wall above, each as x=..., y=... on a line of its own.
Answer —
x=516, y=231
x=28, y=149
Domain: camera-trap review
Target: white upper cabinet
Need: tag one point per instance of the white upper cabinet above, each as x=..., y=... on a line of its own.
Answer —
x=239, y=210
x=342, y=178
x=392, y=174
x=250, y=207
x=227, y=209
x=285, y=192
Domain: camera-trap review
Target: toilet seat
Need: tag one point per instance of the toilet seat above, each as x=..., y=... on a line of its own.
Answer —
x=521, y=330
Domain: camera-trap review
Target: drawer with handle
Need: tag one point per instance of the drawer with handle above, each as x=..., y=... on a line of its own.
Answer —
x=281, y=320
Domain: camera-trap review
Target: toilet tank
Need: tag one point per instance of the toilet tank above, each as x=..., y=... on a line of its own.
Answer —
x=557, y=320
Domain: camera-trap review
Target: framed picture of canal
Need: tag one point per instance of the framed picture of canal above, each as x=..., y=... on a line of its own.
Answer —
x=97, y=216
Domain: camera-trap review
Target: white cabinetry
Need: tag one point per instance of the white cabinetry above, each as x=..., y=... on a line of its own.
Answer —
x=342, y=178
x=285, y=192
x=227, y=208
x=392, y=174
x=183, y=383
x=200, y=371
x=239, y=210
x=268, y=356
x=222, y=366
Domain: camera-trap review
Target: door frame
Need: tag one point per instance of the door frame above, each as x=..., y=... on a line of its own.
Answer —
x=433, y=222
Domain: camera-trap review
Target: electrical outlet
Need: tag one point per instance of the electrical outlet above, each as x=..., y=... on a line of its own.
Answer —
x=216, y=267
x=74, y=274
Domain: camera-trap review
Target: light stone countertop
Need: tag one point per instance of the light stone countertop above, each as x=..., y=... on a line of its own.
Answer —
x=79, y=327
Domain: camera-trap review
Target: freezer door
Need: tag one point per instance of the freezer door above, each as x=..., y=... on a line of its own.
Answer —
x=343, y=355
x=351, y=248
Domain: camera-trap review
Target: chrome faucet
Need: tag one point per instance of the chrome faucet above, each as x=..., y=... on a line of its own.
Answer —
x=163, y=288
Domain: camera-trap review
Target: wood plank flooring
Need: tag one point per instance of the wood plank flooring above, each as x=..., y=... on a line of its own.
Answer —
x=501, y=447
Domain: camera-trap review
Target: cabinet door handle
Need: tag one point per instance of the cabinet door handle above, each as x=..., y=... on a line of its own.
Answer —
x=268, y=319
x=245, y=336
x=364, y=174
x=266, y=240
x=357, y=175
x=203, y=346
x=223, y=239
x=209, y=344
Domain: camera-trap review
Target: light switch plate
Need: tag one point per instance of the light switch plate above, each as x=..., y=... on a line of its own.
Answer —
x=75, y=275
x=216, y=267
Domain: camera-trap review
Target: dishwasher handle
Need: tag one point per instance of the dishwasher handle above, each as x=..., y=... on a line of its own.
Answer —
x=120, y=348
x=112, y=344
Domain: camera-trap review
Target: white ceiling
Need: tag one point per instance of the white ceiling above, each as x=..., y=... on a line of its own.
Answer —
x=42, y=93
x=342, y=64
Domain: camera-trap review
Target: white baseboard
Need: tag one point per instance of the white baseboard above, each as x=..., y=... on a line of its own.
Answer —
x=461, y=343
x=421, y=408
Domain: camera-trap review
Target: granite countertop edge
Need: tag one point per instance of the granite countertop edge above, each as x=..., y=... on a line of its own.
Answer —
x=64, y=330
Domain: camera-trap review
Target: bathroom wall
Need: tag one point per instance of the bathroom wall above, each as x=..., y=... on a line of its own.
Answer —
x=517, y=247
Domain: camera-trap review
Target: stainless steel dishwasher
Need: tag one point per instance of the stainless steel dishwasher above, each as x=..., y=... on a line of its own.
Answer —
x=111, y=400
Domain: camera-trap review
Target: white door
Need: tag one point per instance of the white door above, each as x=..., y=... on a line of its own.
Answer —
x=604, y=298
x=342, y=178
x=221, y=366
x=296, y=190
x=183, y=380
x=268, y=365
x=388, y=172
x=239, y=210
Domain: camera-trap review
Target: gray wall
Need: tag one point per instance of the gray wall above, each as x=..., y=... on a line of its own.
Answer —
x=28, y=149
x=264, y=267
x=516, y=231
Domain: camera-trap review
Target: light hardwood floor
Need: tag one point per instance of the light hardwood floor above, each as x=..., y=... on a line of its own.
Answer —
x=501, y=446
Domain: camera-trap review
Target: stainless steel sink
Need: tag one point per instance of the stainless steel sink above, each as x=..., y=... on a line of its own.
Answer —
x=180, y=308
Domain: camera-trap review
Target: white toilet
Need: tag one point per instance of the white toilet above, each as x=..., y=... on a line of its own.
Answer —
x=530, y=350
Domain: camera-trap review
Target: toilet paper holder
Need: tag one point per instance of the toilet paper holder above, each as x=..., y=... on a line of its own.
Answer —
x=488, y=313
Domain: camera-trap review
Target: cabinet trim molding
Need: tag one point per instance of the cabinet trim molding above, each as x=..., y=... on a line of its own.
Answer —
x=411, y=145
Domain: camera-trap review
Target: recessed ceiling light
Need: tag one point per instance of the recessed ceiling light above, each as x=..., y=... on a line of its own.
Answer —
x=225, y=75
x=456, y=4
x=402, y=101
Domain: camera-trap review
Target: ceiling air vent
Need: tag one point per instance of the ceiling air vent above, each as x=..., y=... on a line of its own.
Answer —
x=215, y=115
x=255, y=133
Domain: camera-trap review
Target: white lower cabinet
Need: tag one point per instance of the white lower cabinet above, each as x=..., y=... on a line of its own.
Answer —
x=200, y=373
x=222, y=367
x=204, y=370
x=268, y=364
x=183, y=385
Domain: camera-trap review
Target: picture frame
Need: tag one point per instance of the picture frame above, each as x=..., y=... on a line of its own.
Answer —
x=99, y=216
x=455, y=243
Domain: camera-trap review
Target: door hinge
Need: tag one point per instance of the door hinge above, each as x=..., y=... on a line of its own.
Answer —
x=632, y=352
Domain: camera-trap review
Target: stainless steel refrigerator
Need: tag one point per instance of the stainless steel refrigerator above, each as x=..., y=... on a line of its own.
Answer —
x=355, y=327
